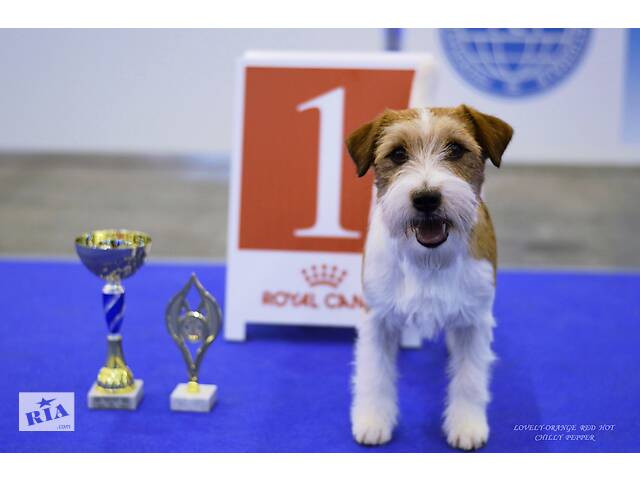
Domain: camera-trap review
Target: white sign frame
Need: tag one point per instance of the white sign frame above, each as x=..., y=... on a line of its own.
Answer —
x=248, y=270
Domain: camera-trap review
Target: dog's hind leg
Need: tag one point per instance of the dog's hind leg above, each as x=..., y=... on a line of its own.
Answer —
x=374, y=410
x=470, y=358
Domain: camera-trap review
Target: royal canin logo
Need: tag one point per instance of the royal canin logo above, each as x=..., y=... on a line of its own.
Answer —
x=324, y=275
x=324, y=281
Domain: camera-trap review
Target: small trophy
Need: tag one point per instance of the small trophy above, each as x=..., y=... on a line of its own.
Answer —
x=199, y=328
x=114, y=255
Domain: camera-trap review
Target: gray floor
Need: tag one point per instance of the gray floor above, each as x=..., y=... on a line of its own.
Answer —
x=545, y=216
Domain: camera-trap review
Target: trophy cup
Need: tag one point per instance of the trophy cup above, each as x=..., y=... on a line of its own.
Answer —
x=199, y=328
x=114, y=255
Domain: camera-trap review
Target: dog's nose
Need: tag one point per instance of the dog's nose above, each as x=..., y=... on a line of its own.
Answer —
x=427, y=202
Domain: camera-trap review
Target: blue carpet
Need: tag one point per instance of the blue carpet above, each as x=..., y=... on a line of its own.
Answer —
x=568, y=343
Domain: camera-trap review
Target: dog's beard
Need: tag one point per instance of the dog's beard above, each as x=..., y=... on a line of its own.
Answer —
x=440, y=233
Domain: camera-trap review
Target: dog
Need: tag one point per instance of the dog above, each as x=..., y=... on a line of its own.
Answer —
x=429, y=261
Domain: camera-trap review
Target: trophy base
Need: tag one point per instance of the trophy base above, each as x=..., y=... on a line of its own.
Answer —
x=184, y=401
x=115, y=401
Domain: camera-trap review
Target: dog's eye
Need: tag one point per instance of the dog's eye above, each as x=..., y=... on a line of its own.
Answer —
x=398, y=155
x=455, y=151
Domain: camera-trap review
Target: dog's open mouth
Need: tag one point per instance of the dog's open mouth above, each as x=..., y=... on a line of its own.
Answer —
x=431, y=231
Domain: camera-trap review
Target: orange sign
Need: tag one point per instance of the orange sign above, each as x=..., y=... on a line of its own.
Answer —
x=282, y=154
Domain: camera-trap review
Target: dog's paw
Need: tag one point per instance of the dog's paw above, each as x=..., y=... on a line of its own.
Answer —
x=466, y=430
x=372, y=423
x=371, y=429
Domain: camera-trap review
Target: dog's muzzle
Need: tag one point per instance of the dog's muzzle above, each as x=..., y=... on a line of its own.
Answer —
x=431, y=230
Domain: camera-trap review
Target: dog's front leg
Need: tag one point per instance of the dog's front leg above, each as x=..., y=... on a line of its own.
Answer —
x=374, y=410
x=470, y=358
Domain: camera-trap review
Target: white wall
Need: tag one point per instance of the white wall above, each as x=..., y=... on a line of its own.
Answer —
x=170, y=91
x=140, y=91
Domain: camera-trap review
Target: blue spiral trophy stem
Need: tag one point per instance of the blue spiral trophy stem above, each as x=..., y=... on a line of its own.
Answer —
x=115, y=376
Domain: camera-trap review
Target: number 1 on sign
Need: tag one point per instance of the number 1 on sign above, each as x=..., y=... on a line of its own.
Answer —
x=327, y=223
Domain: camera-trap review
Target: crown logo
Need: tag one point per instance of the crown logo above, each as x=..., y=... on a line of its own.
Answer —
x=324, y=275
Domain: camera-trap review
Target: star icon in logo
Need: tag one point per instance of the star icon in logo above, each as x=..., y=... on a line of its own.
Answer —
x=45, y=403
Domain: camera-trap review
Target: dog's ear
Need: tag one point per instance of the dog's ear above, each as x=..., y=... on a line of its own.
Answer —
x=361, y=144
x=492, y=134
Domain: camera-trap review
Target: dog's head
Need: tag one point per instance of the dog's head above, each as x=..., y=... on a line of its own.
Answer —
x=429, y=169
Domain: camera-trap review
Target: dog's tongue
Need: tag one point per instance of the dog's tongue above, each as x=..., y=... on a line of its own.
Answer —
x=431, y=233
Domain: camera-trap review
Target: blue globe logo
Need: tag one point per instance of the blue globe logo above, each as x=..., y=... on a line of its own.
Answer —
x=514, y=62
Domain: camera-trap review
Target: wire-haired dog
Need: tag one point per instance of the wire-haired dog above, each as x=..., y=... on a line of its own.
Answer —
x=430, y=261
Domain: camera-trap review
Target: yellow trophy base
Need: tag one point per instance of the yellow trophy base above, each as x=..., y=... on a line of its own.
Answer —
x=99, y=399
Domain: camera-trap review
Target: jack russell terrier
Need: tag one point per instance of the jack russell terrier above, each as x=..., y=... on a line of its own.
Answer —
x=429, y=261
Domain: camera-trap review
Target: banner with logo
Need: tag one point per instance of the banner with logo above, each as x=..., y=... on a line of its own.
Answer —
x=298, y=212
x=571, y=95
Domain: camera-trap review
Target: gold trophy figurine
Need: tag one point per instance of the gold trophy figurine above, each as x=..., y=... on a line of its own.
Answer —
x=197, y=329
x=114, y=255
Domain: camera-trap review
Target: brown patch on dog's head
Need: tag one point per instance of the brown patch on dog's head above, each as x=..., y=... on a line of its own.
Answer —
x=491, y=133
x=482, y=136
x=362, y=143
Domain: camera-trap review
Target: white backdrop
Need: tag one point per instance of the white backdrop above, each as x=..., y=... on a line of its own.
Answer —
x=139, y=91
x=169, y=91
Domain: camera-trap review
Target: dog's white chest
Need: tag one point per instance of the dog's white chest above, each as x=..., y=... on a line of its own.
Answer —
x=447, y=296
x=458, y=294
